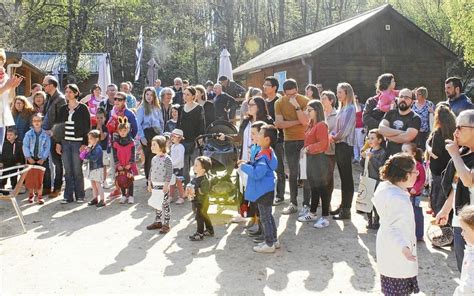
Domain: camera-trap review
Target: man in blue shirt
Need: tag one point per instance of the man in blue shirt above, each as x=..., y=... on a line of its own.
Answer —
x=457, y=101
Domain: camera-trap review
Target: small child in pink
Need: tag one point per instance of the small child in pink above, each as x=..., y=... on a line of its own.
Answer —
x=386, y=99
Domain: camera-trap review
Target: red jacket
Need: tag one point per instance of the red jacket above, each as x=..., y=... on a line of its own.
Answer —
x=316, y=138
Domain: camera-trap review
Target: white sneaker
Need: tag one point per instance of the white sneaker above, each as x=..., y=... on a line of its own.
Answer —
x=321, y=223
x=107, y=185
x=291, y=209
x=123, y=199
x=131, y=200
x=238, y=219
x=264, y=248
x=304, y=211
x=308, y=217
x=276, y=244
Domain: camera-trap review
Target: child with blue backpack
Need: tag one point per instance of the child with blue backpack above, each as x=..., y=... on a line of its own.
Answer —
x=261, y=186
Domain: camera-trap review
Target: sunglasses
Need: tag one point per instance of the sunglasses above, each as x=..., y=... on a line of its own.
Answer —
x=459, y=127
x=119, y=99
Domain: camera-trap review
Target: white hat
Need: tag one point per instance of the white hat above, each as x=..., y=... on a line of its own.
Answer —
x=178, y=132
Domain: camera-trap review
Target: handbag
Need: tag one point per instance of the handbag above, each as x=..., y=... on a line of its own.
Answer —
x=366, y=190
x=156, y=199
x=303, y=174
x=150, y=133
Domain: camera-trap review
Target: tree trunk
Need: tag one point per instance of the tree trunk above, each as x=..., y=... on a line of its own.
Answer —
x=77, y=28
x=281, y=20
x=304, y=15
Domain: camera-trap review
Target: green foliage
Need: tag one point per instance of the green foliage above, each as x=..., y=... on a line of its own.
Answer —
x=461, y=17
x=185, y=37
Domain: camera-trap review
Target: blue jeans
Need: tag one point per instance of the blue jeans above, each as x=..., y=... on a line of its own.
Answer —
x=419, y=221
x=459, y=245
x=73, y=171
x=292, y=153
x=58, y=167
x=268, y=223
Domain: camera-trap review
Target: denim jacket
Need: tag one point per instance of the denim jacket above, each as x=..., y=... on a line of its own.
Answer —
x=95, y=158
x=29, y=144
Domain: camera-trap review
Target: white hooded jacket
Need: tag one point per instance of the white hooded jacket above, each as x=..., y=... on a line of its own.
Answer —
x=397, y=230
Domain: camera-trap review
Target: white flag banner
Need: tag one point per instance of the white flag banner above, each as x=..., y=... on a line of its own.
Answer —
x=138, y=54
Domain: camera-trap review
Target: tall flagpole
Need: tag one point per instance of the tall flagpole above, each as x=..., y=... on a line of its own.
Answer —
x=138, y=54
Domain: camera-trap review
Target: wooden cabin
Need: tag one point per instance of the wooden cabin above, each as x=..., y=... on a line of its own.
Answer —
x=28, y=70
x=357, y=51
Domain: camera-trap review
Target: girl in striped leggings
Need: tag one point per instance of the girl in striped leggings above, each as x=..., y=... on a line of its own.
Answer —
x=159, y=179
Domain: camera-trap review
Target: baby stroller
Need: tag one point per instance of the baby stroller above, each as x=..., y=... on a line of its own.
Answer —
x=224, y=156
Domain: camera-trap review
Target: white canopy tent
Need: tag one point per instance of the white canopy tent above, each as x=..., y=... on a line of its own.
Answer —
x=225, y=65
x=104, y=72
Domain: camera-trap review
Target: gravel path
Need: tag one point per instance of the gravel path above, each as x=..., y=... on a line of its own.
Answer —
x=76, y=249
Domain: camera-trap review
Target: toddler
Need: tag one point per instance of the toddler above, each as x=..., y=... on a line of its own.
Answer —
x=161, y=171
x=376, y=156
x=177, y=156
x=12, y=155
x=94, y=154
x=198, y=190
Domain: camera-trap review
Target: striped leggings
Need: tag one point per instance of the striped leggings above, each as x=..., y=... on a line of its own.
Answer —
x=166, y=210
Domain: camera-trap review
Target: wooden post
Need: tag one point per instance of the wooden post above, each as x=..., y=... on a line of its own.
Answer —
x=27, y=81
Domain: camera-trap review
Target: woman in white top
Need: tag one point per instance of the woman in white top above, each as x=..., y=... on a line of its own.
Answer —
x=6, y=85
x=396, y=241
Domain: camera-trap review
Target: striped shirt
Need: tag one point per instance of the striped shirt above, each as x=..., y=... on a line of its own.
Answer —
x=69, y=129
x=161, y=169
x=76, y=123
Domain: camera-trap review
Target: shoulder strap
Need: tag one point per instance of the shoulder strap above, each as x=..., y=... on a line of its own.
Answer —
x=366, y=167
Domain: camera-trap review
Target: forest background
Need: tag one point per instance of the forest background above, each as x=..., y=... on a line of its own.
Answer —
x=186, y=37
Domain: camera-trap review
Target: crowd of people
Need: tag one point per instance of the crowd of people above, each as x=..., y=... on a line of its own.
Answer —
x=405, y=141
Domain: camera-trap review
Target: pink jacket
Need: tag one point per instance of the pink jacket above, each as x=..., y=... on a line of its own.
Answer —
x=386, y=98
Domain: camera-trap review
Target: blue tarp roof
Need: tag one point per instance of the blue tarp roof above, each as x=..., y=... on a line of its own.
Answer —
x=51, y=61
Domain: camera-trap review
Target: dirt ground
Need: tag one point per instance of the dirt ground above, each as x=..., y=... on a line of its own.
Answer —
x=76, y=249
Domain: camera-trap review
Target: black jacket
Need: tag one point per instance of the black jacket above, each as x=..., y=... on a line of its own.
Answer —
x=12, y=154
x=368, y=117
x=53, y=104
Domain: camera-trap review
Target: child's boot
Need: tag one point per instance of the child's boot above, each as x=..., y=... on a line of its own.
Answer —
x=154, y=225
x=40, y=200
x=165, y=229
x=31, y=198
